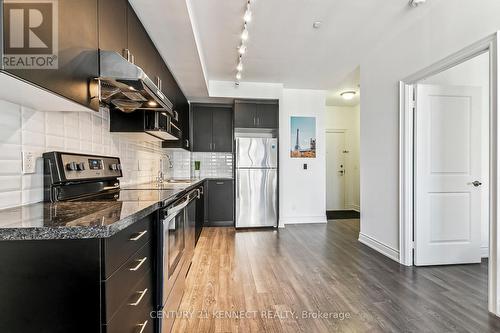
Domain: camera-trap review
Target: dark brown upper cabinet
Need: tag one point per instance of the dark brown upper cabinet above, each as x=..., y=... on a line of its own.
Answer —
x=142, y=50
x=113, y=32
x=256, y=114
x=84, y=27
x=212, y=128
x=77, y=53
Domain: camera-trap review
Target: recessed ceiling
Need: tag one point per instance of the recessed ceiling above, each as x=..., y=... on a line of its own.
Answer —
x=283, y=45
x=171, y=28
x=199, y=38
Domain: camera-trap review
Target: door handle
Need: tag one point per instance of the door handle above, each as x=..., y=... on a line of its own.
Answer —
x=139, y=236
x=143, y=326
x=476, y=183
x=133, y=269
x=126, y=54
x=141, y=296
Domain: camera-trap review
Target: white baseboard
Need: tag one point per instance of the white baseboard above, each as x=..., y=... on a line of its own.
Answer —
x=303, y=220
x=485, y=251
x=379, y=247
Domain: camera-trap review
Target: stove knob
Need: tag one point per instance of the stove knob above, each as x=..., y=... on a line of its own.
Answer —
x=80, y=166
x=71, y=166
x=118, y=167
x=113, y=167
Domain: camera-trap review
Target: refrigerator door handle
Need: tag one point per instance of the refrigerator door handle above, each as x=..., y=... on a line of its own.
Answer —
x=237, y=186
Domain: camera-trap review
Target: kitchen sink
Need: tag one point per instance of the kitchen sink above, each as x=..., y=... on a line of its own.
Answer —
x=179, y=181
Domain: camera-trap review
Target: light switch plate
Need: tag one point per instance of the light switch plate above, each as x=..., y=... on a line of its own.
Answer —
x=29, y=162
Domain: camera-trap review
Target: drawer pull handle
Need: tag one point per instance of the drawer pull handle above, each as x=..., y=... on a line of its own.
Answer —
x=133, y=269
x=142, y=293
x=136, y=238
x=143, y=326
x=219, y=183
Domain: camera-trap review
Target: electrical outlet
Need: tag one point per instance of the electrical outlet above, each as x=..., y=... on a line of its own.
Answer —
x=29, y=162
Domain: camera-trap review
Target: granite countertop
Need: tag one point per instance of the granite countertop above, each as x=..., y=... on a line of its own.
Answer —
x=87, y=219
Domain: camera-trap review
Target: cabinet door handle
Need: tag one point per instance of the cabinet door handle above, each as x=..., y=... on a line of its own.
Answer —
x=136, y=238
x=141, y=296
x=126, y=54
x=143, y=326
x=133, y=269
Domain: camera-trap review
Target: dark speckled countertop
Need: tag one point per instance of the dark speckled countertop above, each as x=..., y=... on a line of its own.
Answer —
x=87, y=219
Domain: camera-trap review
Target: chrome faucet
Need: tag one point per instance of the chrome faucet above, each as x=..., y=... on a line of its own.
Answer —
x=161, y=175
x=170, y=164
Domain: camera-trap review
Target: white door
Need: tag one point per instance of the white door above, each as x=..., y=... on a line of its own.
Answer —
x=447, y=163
x=335, y=171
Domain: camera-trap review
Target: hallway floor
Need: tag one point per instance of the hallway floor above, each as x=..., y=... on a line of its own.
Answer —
x=281, y=281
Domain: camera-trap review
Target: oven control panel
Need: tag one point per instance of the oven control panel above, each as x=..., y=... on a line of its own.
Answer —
x=78, y=167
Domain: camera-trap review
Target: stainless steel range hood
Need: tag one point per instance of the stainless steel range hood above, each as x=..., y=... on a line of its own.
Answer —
x=126, y=87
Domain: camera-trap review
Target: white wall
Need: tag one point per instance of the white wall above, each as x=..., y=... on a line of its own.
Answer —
x=302, y=192
x=475, y=73
x=435, y=30
x=347, y=118
x=24, y=129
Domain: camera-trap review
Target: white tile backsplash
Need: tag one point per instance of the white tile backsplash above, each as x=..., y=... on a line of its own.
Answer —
x=214, y=164
x=24, y=129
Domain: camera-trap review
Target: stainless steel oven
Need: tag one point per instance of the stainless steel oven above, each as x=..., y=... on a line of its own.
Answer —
x=177, y=246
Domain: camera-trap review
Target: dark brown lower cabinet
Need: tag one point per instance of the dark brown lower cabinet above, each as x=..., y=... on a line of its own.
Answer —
x=220, y=199
x=84, y=285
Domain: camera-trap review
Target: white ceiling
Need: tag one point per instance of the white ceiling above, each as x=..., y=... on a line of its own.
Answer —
x=283, y=46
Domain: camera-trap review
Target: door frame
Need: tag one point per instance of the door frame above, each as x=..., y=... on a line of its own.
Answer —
x=336, y=130
x=406, y=157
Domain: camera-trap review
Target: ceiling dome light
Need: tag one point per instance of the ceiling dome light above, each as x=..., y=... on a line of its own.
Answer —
x=244, y=34
x=348, y=95
x=239, y=68
x=238, y=76
x=242, y=49
x=248, y=14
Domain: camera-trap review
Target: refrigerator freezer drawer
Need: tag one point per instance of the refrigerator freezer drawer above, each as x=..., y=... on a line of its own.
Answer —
x=256, y=198
x=256, y=153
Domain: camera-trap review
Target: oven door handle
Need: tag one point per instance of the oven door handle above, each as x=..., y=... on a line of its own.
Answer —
x=170, y=212
x=185, y=201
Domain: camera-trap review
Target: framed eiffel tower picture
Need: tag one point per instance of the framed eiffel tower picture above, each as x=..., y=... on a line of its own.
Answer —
x=303, y=137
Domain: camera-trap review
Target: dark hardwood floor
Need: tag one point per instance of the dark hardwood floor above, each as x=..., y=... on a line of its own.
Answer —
x=308, y=269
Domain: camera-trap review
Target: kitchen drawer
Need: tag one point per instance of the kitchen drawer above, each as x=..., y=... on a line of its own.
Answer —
x=124, y=244
x=131, y=318
x=120, y=286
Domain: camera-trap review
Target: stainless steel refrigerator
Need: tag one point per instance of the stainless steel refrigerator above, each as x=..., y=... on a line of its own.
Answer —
x=256, y=182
